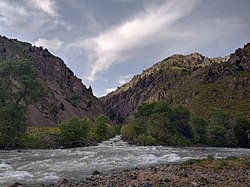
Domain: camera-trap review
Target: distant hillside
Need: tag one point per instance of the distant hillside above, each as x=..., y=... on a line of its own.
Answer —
x=204, y=85
x=66, y=95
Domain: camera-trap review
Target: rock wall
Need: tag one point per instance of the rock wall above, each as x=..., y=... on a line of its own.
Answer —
x=66, y=95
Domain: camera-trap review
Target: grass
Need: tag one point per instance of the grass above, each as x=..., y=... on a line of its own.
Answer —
x=176, y=68
x=217, y=165
x=41, y=137
x=217, y=96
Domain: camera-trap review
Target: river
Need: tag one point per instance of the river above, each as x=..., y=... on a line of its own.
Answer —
x=48, y=166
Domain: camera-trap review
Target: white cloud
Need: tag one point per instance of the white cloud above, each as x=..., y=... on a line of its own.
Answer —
x=6, y=8
x=54, y=44
x=117, y=44
x=29, y=16
x=124, y=79
x=108, y=90
x=11, y=13
x=47, y=6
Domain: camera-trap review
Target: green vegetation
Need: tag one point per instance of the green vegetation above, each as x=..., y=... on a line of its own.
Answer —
x=219, y=96
x=74, y=132
x=216, y=164
x=73, y=99
x=161, y=124
x=41, y=138
x=19, y=88
x=102, y=130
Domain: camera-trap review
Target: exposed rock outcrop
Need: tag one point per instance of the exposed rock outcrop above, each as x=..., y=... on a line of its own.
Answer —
x=203, y=84
x=66, y=95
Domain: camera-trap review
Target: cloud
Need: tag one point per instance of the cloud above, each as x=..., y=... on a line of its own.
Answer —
x=10, y=11
x=118, y=44
x=30, y=16
x=47, y=6
x=124, y=79
x=54, y=44
x=6, y=8
x=108, y=90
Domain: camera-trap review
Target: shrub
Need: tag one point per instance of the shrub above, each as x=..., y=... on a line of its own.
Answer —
x=101, y=129
x=143, y=139
x=178, y=140
x=128, y=132
x=74, y=132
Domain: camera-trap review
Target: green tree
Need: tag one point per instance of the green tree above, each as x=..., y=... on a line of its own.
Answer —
x=101, y=131
x=242, y=132
x=74, y=132
x=128, y=132
x=221, y=132
x=180, y=117
x=143, y=139
x=160, y=127
x=199, y=126
x=144, y=110
x=19, y=83
x=160, y=107
x=19, y=87
x=12, y=125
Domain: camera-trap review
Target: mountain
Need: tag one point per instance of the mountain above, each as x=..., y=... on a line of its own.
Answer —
x=204, y=85
x=66, y=96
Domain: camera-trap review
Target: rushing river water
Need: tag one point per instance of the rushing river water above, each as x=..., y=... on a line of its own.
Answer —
x=46, y=166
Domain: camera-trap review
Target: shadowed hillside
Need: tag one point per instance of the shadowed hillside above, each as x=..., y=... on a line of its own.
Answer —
x=66, y=96
x=204, y=85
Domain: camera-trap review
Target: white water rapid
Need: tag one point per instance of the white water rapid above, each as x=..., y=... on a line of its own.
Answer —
x=35, y=167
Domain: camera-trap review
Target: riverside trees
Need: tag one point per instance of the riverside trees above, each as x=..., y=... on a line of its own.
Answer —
x=19, y=87
x=76, y=132
x=158, y=123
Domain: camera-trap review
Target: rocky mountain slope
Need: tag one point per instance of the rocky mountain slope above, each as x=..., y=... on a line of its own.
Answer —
x=66, y=95
x=204, y=85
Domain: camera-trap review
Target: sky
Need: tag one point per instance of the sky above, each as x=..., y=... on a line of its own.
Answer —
x=106, y=42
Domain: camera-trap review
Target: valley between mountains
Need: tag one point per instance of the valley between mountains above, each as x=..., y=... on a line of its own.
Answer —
x=192, y=95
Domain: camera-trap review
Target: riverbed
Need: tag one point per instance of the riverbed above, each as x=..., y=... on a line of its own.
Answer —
x=35, y=167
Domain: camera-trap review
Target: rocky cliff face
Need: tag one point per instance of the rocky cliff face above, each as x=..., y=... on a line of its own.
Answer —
x=66, y=95
x=205, y=85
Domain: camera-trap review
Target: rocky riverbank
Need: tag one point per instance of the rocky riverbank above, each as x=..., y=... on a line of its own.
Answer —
x=229, y=172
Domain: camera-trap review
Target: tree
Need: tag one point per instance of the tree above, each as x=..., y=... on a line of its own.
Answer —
x=128, y=132
x=221, y=132
x=160, y=127
x=144, y=110
x=199, y=126
x=19, y=83
x=242, y=132
x=160, y=107
x=180, y=117
x=101, y=128
x=74, y=132
x=19, y=87
x=12, y=125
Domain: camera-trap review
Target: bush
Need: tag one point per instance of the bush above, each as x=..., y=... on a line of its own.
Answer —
x=128, y=132
x=199, y=127
x=242, y=132
x=101, y=129
x=74, y=132
x=41, y=138
x=12, y=125
x=178, y=140
x=143, y=139
x=220, y=136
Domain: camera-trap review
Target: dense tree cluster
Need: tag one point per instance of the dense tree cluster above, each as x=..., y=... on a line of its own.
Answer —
x=158, y=123
x=80, y=132
x=19, y=88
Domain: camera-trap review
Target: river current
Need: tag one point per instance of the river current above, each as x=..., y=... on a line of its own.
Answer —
x=35, y=167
